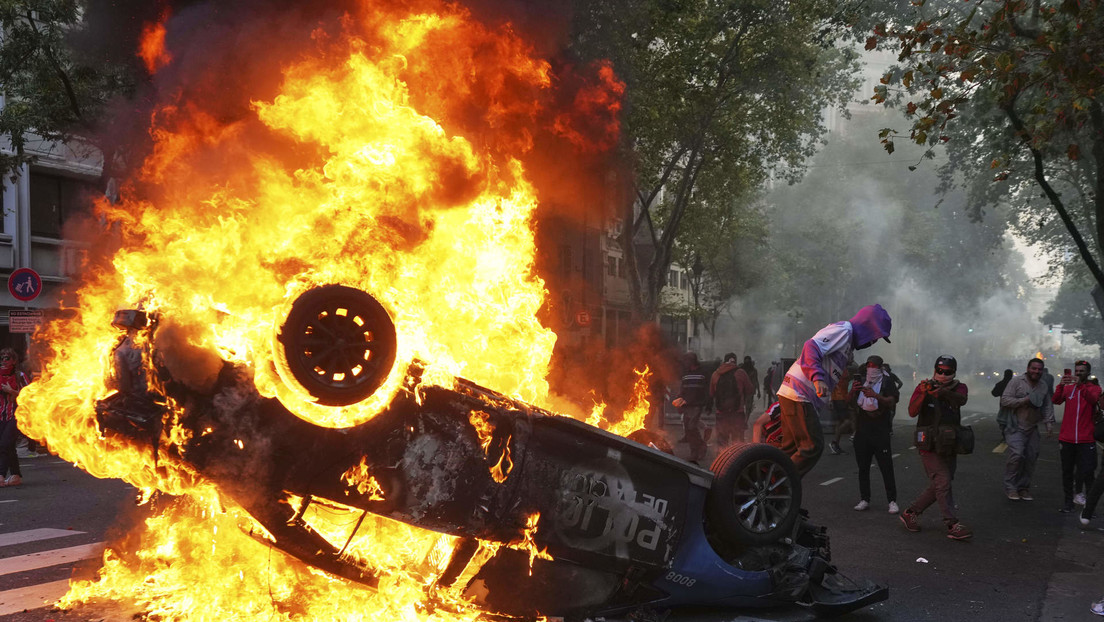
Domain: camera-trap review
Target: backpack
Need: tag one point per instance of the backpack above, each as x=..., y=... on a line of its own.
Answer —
x=728, y=397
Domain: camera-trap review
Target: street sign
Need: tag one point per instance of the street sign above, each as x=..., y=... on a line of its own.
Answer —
x=24, y=284
x=582, y=318
x=24, y=321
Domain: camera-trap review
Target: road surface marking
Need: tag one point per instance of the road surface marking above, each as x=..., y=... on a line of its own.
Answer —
x=832, y=481
x=913, y=447
x=19, y=537
x=9, y=500
x=895, y=455
x=1000, y=448
x=32, y=596
x=55, y=557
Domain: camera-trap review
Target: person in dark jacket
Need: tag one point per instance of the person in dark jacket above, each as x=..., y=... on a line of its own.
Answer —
x=874, y=400
x=998, y=389
x=753, y=376
x=693, y=401
x=728, y=387
x=938, y=400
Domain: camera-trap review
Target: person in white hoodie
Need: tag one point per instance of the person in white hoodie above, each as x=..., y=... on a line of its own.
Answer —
x=808, y=383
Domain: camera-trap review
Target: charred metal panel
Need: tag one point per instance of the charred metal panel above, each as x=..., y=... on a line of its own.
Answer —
x=606, y=499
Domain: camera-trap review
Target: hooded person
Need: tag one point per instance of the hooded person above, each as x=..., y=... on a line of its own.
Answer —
x=729, y=387
x=809, y=382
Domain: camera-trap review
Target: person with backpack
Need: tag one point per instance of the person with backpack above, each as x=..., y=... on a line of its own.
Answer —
x=729, y=386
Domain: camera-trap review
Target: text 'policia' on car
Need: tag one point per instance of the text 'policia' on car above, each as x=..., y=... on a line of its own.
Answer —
x=624, y=525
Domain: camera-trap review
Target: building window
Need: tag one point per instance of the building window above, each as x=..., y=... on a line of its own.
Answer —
x=621, y=267
x=54, y=199
x=672, y=278
x=611, y=265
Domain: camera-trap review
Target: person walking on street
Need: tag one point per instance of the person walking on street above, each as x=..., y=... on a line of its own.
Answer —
x=753, y=377
x=1026, y=397
x=810, y=380
x=998, y=389
x=11, y=382
x=728, y=391
x=937, y=403
x=768, y=388
x=693, y=401
x=874, y=400
x=1075, y=437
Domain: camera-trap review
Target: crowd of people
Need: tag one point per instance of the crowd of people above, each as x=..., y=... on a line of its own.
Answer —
x=863, y=401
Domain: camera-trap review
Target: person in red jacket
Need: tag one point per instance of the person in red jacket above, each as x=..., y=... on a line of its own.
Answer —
x=1078, y=448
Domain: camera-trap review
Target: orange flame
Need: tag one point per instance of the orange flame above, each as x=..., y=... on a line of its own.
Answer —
x=484, y=429
x=528, y=543
x=633, y=417
x=365, y=483
x=366, y=169
x=151, y=45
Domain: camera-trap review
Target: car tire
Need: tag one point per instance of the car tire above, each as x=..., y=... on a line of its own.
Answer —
x=756, y=495
x=337, y=345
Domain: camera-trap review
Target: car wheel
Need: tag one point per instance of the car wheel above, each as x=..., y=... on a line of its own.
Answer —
x=337, y=345
x=756, y=495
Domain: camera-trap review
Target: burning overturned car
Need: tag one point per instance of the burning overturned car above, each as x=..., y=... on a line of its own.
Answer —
x=601, y=525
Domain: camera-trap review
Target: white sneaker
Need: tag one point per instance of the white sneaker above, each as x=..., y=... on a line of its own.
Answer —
x=1079, y=499
x=862, y=506
x=893, y=509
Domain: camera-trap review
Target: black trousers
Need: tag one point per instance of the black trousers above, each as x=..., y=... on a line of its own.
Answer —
x=876, y=447
x=9, y=459
x=1078, y=464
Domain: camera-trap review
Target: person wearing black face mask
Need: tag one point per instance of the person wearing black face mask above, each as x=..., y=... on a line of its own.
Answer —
x=935, y=403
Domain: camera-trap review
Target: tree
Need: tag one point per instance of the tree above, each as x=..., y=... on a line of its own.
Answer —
x=721, y=96
x=54, y=92
x=1013, y=87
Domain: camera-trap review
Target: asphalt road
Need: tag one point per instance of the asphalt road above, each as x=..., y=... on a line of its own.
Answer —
x=1026, y=562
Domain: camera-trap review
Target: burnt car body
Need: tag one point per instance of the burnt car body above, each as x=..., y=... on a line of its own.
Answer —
x=626, y=526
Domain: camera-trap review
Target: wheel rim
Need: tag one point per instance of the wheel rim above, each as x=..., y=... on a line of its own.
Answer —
x=340, y=344
x=763, y=495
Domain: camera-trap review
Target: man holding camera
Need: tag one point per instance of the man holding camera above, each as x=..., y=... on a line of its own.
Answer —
x=1026, y=396
x=1078, y=448
x=937, y=405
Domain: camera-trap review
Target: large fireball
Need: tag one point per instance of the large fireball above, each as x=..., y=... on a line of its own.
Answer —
x=389, y=160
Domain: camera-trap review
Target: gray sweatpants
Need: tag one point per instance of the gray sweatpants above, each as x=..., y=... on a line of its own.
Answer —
x=1023, y=451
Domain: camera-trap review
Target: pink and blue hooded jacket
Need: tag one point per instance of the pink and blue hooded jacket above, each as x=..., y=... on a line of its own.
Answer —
x=826, y=355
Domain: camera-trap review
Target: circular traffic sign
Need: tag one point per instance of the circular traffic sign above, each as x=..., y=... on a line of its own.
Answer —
x=24, y=284
x=582, y=318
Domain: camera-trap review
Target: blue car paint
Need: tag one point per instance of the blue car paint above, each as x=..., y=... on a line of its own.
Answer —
x=711, y=580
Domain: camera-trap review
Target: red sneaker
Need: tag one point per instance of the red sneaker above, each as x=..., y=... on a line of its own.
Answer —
x=958, y=531
x=911, y=520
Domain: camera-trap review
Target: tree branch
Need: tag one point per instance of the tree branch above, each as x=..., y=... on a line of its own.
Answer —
x=70, y=93
x=1055, y=200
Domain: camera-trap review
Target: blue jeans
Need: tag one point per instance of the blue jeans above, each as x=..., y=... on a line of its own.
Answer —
x=1023, y=451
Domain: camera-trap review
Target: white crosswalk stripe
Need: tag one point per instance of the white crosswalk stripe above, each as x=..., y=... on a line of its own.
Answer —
x=33, y=535
x=40, y=595
x=53, y=557
x=32, y=596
